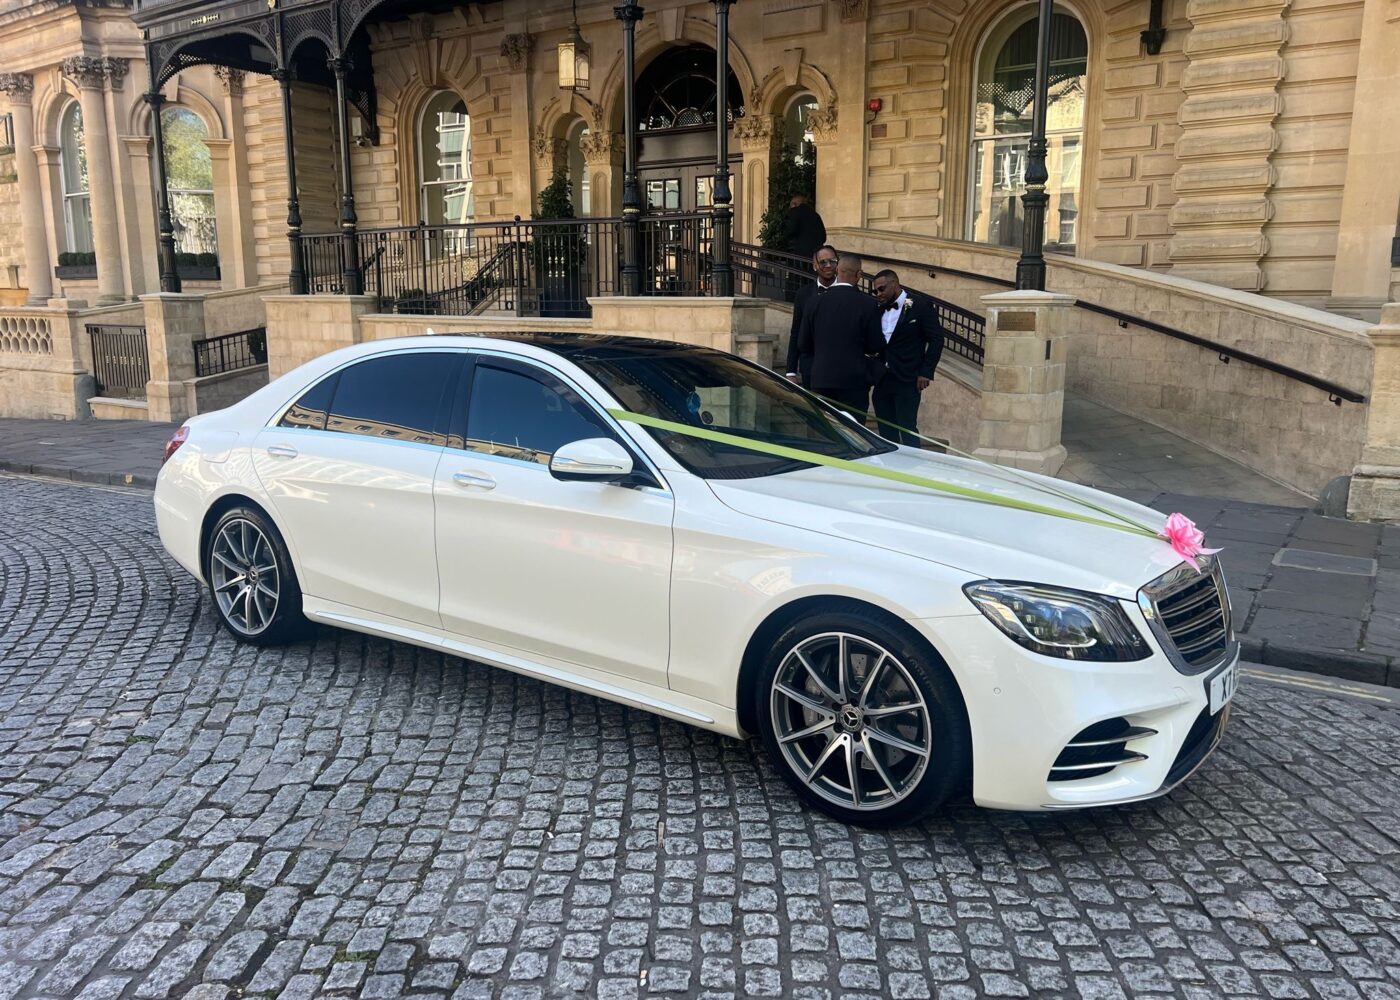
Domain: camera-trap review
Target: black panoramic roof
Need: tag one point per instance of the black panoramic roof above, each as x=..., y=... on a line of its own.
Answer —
x=597, y=347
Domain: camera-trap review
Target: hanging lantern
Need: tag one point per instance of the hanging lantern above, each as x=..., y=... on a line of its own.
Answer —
x=573, y=58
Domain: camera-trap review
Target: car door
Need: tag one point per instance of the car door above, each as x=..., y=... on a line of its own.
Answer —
x=349, y=469
x=573, y=571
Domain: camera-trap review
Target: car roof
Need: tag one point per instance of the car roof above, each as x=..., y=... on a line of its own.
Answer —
x=569, y=345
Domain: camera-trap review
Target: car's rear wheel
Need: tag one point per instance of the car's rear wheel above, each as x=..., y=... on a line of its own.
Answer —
x=862, y=719
x=251, y=579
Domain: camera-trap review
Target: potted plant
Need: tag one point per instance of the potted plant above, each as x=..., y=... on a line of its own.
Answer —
x=76, y=265
x=257, y=345
x=560, y=252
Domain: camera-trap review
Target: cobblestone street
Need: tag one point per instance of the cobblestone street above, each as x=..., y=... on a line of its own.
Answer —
x=181, y=816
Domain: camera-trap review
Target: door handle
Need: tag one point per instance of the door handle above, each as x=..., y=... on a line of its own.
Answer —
x=282, y=451
x=473, y=480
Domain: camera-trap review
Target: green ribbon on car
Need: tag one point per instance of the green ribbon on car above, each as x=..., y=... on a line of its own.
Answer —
x=892, y=475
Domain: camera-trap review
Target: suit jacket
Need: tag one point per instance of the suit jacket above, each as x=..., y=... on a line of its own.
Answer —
x=801, y=305
x=917, y=341
x=804, y=230
x=841, y=328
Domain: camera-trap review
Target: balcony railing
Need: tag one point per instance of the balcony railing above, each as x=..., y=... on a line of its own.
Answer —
x=523, y=268
x=230, y=352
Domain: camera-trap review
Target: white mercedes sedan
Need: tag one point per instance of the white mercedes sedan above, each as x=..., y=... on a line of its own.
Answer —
x=892, y=645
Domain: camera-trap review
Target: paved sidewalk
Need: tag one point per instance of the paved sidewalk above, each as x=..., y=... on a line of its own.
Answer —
x=1309, y=592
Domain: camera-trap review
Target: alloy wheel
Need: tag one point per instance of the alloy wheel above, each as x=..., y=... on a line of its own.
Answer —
x=244, y=576
x=850, y=721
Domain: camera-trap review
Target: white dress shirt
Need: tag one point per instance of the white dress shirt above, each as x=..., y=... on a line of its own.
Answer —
x=889, y=318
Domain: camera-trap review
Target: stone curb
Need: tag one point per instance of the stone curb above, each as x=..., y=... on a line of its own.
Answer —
x=1369, y=668
x=80, y=475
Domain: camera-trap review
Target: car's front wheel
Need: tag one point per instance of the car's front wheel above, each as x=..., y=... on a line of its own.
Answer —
x=251, y=579
x=862, y=719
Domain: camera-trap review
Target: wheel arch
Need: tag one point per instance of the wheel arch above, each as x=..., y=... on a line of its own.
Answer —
x=751, y=664
x=223, y=505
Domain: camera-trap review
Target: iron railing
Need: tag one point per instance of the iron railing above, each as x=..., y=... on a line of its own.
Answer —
x=230, y=352
x=777, y=274
x=120, y=364
x=524, y=267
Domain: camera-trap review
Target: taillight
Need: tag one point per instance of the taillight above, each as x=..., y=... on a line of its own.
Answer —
x=173, y=445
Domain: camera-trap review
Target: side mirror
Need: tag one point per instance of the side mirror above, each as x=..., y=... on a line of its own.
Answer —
x=592, y=459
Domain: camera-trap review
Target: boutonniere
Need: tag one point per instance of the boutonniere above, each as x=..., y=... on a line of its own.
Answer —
x=908, y=304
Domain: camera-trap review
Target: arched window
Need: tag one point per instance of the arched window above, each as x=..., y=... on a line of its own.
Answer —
x=578, y=170
x=1002, y=127
x=77, y=206
x=677, y=91
x=796, y=130
x=445, y=156
x=189, y=172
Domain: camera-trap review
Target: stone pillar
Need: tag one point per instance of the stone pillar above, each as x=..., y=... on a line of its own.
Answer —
x=238, y=264
x=602, y=157
x=50, y=186
x=759, y=137
x=841, y=158
x=1023, y=380
x=38, y=264
x=174, y=321
x=1375, y=482
x=515, y=50
x=89, y=74
x=1371, y=197
x=140, y=212
x=550, y=156
x=302, y=327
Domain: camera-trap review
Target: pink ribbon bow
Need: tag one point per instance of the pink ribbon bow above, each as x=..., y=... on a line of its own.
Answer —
x=1186, y=539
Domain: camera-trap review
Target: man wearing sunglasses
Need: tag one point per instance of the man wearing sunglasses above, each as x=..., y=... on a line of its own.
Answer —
x=824, y=264
x=913, y=345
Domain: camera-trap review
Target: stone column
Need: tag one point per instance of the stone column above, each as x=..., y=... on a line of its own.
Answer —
x=602, y=156
x=1375, y=482
x=238, y=266
x=50, y=186
x=173, y=323
x=515, y=50
x=550, y=156
x=759, y=137
x=1023, y=380
x=38, y=264
x=89, y=74
x=141, y=209
x=1371, y=197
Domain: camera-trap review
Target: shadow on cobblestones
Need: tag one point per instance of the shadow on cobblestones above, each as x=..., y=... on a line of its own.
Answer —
x=182, y=816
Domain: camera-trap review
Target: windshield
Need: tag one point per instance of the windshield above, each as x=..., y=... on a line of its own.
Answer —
x=720, y=392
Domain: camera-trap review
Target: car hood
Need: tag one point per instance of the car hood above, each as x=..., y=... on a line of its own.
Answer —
x=982, y=539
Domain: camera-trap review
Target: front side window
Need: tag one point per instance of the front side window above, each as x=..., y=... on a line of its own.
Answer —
x=716, y=391
x=445, y=153
x=189, y=172
x=1002, y=130
x=397, y=397
x=77, y=205
x=526, y=416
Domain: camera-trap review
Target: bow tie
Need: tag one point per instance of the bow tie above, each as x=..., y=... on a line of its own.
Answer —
x=892, y=305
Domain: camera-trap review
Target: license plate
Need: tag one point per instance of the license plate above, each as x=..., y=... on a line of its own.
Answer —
x=1221, y=687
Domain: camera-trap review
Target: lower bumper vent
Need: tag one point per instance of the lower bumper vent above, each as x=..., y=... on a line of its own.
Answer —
x=1098, y=750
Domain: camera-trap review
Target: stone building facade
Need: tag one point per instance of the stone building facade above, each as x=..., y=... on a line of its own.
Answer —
x=1253, y=147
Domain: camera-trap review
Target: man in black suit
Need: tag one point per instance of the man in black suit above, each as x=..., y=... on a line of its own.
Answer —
x=913, y=339
x=824, y=263
x=841, y=333
x=804, y=229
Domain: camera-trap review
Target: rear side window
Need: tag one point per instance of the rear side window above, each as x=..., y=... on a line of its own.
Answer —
x=526, y=417
x=397, y=397
x=311, y=409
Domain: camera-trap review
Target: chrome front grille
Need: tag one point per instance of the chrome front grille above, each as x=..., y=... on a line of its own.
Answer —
x=1190, y=615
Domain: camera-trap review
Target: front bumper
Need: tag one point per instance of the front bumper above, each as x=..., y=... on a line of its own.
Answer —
x=1023, y=708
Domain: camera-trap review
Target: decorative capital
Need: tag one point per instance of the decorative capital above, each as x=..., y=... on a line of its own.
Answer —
x=550, y=152
x=757, y=133
x=628, y=13
x=88, y=72
x=231, y=78
x=822, y=122
x=116, y=71
x=601, y=149
x=516, y=49
x=19, y=86
x=853, y=10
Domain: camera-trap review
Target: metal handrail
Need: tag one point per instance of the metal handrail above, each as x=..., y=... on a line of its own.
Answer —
x=1335, y=393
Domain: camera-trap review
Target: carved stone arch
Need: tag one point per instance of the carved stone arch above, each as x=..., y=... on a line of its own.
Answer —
x=139, y=115
x=784, y=81
x=558, y=116
x=651, y=44
x=51, y=100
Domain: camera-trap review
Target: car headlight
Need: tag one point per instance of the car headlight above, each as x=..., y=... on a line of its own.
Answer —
x=1070, y=624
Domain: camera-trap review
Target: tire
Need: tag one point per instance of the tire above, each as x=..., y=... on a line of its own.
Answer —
x=268, y=613
x=896, y=698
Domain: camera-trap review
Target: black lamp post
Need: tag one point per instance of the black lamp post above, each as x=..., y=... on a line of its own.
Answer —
x=1030, y=269
x=169, y=271
x=723, y=198
x=629, y=14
